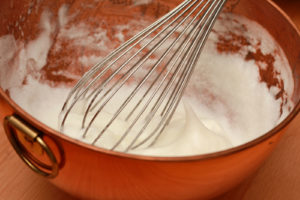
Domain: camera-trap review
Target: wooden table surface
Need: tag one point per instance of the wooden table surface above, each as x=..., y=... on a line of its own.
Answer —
x=277, y=179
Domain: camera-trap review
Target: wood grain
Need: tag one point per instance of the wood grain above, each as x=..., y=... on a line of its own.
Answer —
x=277, y=179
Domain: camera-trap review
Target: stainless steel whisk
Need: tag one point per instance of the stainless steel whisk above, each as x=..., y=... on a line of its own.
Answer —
x=142, y=81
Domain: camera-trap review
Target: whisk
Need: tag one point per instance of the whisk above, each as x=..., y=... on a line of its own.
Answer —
x=142, y=81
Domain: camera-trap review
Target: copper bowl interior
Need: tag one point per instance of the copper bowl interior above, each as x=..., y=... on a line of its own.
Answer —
x=21, y=18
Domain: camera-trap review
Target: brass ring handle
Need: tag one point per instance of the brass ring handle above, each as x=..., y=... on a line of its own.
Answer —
x=14, y=122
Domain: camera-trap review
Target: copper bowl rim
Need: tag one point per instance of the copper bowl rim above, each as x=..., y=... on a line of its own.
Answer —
x=44, y=128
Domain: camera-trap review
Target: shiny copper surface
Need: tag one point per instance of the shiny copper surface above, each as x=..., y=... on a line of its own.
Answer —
x=90, y=172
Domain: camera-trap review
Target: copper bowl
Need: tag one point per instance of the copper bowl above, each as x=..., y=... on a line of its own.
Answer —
x=94, y=173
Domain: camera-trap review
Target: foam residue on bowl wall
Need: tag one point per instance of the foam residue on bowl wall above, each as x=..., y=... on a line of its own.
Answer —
x=141, y=2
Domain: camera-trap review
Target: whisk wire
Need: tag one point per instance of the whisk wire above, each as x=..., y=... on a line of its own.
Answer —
x=151, y=114
x=145, y=78
x=137, y=65
x=181, y=34
x=76, y=90
x=164, y=123
x=177, y=92
x=96, y=67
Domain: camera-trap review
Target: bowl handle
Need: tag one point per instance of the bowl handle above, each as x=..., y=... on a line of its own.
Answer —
x=14, y=124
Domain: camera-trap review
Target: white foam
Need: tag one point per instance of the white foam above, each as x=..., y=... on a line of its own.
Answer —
x=226, y=104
